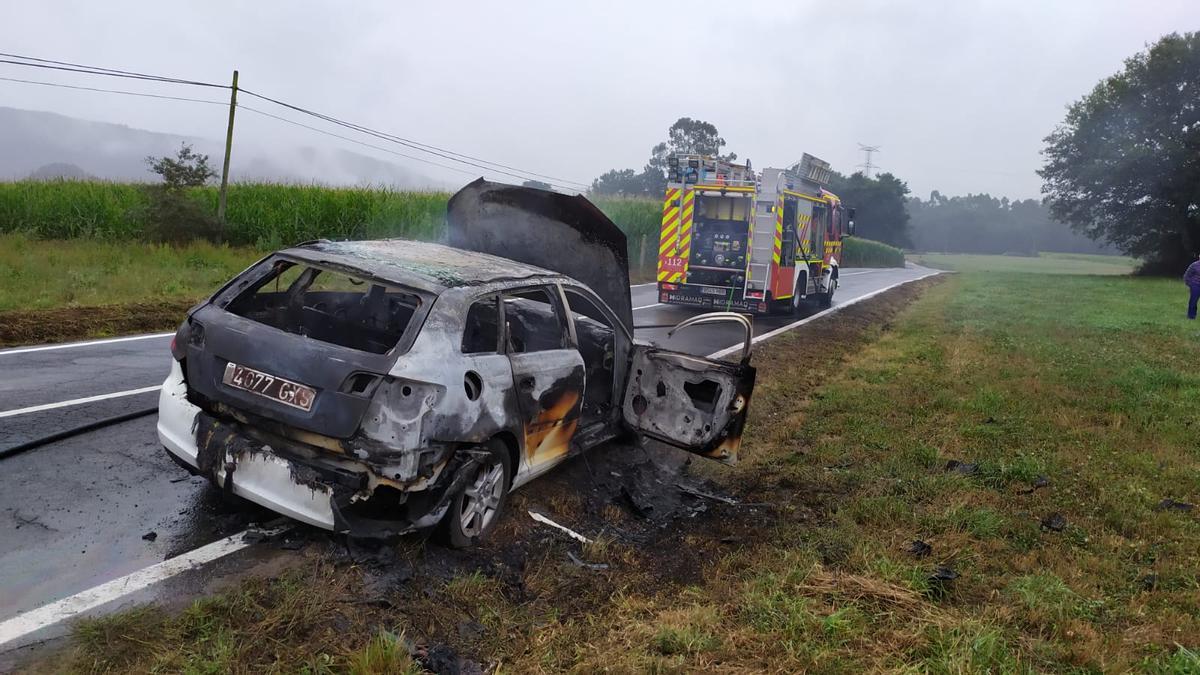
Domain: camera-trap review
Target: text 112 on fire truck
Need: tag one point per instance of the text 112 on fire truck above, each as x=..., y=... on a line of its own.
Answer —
x=738, y=240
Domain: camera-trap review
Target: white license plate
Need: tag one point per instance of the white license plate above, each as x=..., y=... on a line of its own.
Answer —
x=269, y=386
x=714, y=291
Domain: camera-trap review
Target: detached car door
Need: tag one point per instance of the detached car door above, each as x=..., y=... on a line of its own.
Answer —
x=691, y=402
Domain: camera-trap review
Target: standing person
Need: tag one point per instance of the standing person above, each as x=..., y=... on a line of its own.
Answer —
x=1192, y=278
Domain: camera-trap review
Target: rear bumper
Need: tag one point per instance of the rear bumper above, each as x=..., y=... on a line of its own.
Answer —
x=260, y=475
x=695, y=296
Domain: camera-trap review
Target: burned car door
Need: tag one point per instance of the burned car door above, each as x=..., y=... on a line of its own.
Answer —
x=548, y=374
x=691, y=402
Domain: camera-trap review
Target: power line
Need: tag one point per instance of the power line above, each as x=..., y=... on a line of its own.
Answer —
x=422, y=147
x=477, y=162
x=113, y=91
x=242, y=106
x=98, y=70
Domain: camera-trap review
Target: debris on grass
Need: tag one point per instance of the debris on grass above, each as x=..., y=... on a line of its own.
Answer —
x=598, y=567
x=636, y=502
x=1173, y=505
x=705, y=495
x=1038, y=483
x=568, y=531
x=1055, y=522
x=962, y=468
x=920, y=548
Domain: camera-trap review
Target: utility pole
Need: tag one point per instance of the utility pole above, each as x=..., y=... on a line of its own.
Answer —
x=228, y=148
x=867, y=165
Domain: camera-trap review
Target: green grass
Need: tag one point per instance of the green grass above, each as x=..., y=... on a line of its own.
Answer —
x=1092, y=387
x=859, y=252
x=48, y=274
x=267, y=215
x=1044, y=263
x=240, y=631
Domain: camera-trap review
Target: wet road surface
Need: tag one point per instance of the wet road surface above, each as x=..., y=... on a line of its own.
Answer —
x=79, y=512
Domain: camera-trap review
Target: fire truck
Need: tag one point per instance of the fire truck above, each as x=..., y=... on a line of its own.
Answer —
x=758, y=242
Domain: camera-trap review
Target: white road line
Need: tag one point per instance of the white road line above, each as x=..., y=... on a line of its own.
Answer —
x=22, y=625
x=840, y=306
x=850, y=274
x=647, y=306
x=89, y=343
x=78, y=401
x=47, y=615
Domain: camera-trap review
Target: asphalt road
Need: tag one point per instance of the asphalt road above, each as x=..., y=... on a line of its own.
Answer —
x=81, y=511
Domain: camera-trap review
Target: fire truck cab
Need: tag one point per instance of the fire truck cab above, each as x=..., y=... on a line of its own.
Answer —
x=737, y=240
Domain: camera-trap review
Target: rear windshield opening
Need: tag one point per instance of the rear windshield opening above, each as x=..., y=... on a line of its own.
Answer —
x=328, y=306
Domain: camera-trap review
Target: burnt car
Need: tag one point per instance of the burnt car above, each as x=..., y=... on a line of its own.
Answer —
x=382, y=387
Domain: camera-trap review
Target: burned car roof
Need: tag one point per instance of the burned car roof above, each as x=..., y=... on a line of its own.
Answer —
x=423, y=265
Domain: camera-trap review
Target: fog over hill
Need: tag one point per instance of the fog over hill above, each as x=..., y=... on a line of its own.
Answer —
x=48, y=145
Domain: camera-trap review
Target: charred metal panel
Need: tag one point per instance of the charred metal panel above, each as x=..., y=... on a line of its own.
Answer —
x=227, y=338
x=690, y=402
x=474, y=399
x=550, y=396
x=564, y=233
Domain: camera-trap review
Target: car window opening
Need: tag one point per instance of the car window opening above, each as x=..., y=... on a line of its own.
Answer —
x=596, y=336
x=532, y=323
x=481, y=330
x=328, y=306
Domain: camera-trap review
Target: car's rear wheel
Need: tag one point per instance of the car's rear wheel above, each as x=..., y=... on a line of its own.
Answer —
x=476, y=508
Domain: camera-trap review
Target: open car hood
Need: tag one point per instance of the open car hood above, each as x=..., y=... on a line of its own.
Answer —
x=558, y=232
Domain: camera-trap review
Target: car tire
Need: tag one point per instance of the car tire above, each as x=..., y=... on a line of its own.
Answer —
x=476, y=508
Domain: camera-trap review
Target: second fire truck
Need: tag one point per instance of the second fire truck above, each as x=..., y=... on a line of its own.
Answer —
x=734, y=239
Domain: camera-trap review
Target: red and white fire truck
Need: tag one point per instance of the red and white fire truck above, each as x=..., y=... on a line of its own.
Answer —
x=733, y=239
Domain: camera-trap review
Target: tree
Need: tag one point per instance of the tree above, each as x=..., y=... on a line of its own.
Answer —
x=172, y=214
x=984, y=224
x=685, y=136
x=1124, y=165
x=880, y=204
x=629, y=182
x=186, y=169
x=691, y=137
x=541, y=185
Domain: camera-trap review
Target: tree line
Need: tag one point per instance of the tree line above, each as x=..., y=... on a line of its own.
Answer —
x=885, y=211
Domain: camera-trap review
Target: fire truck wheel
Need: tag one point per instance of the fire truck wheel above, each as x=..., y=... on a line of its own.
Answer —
x=826, y=299
x=797, y=301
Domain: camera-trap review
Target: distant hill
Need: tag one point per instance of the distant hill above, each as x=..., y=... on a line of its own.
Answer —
x=60, y=170
x=47, y=145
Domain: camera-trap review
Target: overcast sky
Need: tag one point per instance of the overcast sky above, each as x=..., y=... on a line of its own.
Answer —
x=958, y=94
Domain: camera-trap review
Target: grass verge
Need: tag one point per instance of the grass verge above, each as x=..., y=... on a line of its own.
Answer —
x=975, y=483
x=1043, y=263
x=52, y=291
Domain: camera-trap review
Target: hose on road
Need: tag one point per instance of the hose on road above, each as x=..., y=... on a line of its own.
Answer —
x=75, y=431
